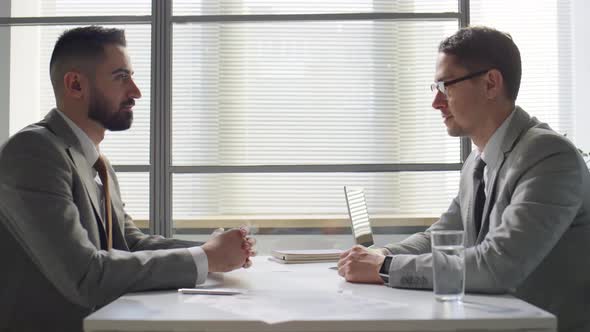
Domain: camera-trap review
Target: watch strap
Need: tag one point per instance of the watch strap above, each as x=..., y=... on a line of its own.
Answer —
x=384, y=270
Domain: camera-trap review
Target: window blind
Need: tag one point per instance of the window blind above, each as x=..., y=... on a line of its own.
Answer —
x=293, y=93
x=52, y=8
x=264, y=7
x=545, y=43
x=307, y=93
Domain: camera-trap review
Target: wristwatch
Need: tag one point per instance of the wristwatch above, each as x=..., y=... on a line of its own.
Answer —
x=384, y=270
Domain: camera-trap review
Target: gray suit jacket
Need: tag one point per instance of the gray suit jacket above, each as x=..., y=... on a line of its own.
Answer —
x=535, y=239
x=54, y=272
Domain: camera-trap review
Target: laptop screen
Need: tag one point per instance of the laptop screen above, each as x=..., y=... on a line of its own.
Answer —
x=359, y=215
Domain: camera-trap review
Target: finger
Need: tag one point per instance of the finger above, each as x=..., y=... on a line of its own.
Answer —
x=341, y=271
x=251, y=240
x=344, y=259
x=350, y=272
x=244, y=230
x=354, y=254
x=344, y=254
x=247, y=264
x=217, y=231
x=347, y=258
x=247, y=259
x=246, y=246
x=253, y=253
x=357, y=248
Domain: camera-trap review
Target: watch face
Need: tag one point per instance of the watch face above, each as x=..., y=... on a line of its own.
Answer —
x=385, y=266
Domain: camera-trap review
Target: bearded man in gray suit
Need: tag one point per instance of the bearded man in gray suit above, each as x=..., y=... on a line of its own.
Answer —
x=532, y=236
x=61, y=262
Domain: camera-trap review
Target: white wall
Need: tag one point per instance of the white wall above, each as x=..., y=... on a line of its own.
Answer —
x=4, y=74
x=581, y=42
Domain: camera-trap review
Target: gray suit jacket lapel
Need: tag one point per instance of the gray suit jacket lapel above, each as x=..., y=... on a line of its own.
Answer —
x=60, y=128
x=521, y=122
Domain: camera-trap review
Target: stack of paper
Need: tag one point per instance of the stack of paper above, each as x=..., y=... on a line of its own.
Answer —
x=306, y=256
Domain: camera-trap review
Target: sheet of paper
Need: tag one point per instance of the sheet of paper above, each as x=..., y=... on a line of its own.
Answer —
x=274, y=308
x=310, y=252
x=211, y=291
x=275, y=267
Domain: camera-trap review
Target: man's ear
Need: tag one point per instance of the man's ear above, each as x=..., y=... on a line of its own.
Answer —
x=74, y=85
x=494, y=84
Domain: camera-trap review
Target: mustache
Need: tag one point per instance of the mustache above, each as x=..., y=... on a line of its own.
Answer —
x=129, y=103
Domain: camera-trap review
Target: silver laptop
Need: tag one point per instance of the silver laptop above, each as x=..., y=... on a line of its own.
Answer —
x=359, y=216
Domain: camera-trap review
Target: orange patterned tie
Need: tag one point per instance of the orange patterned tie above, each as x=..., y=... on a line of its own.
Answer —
x=101, y=168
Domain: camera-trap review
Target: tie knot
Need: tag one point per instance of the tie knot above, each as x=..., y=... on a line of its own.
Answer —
x=479, y=166
x=100, y=165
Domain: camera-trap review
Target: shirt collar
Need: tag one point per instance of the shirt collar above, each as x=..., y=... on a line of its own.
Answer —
x=491, y=152
x=88, y=149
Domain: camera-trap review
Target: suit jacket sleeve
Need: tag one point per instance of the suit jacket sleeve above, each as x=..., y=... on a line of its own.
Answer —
x=137, y=240
x=38, y=209
x=539, y=194
x=419, y=243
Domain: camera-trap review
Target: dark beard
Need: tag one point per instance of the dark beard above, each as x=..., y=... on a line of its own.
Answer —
x=98, y=110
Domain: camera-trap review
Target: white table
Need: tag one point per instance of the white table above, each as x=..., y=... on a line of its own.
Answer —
x=312, y=297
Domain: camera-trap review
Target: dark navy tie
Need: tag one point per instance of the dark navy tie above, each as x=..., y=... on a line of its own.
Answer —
x=479, y=190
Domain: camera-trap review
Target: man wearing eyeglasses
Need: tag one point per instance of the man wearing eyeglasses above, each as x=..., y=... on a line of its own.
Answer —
x=524, y=194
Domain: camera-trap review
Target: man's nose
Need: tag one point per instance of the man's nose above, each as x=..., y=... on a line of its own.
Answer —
x=134, y=92
x=439, y=101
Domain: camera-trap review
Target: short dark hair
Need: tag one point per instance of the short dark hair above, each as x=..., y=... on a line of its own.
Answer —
x=480, y=48
x=81, y=49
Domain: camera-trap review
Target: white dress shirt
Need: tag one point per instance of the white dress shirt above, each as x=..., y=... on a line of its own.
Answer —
x=491, y=152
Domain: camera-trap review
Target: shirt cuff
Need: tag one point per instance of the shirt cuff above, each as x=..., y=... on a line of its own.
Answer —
x=201, y=262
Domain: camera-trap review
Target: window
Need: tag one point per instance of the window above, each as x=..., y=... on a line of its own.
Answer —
x=31, y=95
x=259, y=106
x=262, y=110
x=545, y=43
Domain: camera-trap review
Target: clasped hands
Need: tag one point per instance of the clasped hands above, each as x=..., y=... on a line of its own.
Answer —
x=229, y=250
x=232, y=249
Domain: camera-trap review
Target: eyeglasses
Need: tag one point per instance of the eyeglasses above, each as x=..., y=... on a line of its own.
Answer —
x=442, y=85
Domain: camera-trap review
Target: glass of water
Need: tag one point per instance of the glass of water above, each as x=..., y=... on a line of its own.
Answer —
x=449, y=265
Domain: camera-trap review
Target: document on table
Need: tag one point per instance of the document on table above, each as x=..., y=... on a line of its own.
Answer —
x=211, y=291
x=271, y=306
x=306, y=255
